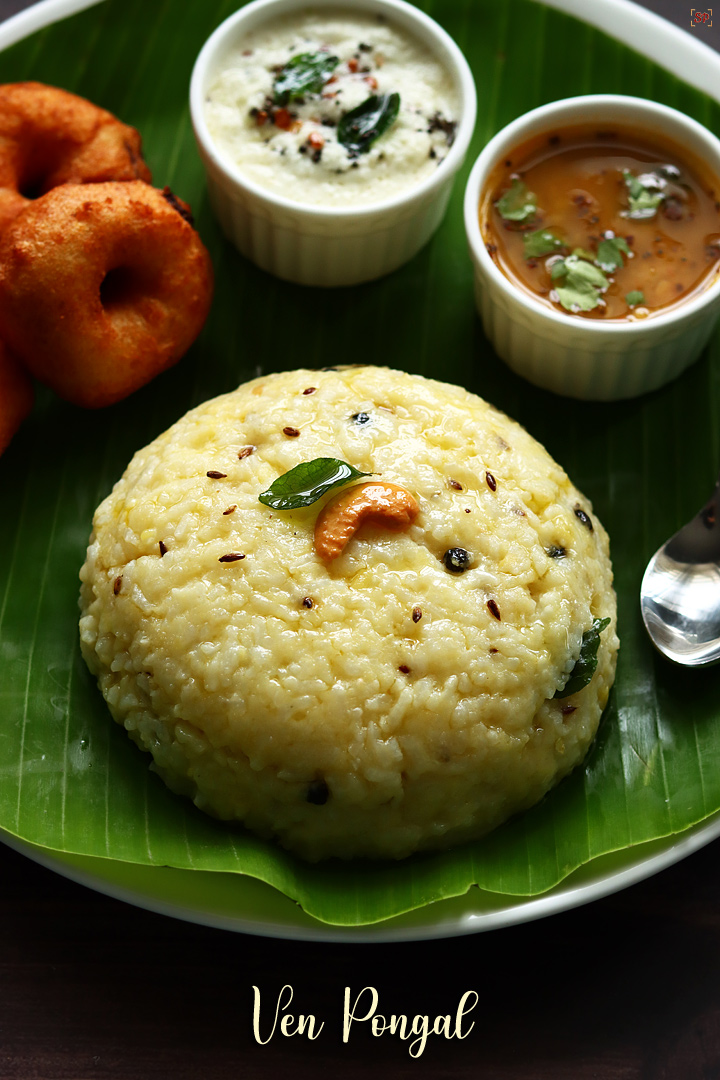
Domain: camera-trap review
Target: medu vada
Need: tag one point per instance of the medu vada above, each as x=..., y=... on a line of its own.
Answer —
x=102, y=287
x=16, y=395
x=49, y=137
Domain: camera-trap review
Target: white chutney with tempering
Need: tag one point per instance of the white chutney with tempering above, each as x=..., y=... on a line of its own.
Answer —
x=333, y=108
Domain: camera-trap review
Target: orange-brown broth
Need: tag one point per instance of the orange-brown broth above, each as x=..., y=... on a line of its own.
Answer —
x=577, y=177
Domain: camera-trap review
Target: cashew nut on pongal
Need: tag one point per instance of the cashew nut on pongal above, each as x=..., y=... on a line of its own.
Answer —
x=386, y=505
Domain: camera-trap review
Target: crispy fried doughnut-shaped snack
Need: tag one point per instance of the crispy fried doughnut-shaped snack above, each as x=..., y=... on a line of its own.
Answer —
x=49, y=137
x=102, y=287
x=16, y=395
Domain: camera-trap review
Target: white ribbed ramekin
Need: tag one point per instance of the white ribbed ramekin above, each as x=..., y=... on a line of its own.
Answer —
x=330, y=246
x=583, y=358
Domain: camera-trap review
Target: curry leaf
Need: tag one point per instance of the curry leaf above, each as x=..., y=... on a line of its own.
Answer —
x=517, y=204
x=308, y=482
x=359, y=128
x=306, y=73
x=586, y=663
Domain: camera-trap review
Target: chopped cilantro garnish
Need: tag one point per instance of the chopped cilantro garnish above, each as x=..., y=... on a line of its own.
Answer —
x=541, y=242
x=583, y=284
x=517, y=204
x=634, y=298
x=645, y=193
x=610, y=253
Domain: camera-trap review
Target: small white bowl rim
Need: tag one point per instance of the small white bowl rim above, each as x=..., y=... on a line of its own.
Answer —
x=446, y=169
x=533, y=122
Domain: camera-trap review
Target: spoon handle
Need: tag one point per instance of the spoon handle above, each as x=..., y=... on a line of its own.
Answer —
x=699, y=540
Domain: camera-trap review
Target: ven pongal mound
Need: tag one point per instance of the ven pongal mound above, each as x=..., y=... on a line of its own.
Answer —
x=409, y=639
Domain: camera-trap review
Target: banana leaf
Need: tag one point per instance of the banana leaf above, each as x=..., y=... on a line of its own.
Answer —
x=70, y=780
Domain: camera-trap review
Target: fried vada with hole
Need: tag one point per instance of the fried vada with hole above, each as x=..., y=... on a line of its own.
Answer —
x=102, y=287
x=16, y=395
x=50, y=137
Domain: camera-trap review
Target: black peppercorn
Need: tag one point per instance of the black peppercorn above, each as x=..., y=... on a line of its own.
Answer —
x=457, y=560
x=556, y=552
x=318, y=793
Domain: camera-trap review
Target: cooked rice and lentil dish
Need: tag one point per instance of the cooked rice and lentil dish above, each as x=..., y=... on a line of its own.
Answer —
x=411, y=688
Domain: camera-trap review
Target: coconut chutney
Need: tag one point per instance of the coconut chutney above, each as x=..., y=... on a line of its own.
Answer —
x=332, y=108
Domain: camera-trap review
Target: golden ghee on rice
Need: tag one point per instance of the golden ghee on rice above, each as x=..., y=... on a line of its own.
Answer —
x=401, y=696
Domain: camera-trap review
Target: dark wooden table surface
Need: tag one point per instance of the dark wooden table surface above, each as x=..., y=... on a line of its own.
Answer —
x=627, y=988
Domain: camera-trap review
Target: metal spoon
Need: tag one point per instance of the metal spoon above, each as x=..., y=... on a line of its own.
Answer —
x=680, y=591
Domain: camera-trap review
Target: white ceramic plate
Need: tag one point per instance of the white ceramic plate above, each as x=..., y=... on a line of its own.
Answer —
x=234, y=902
